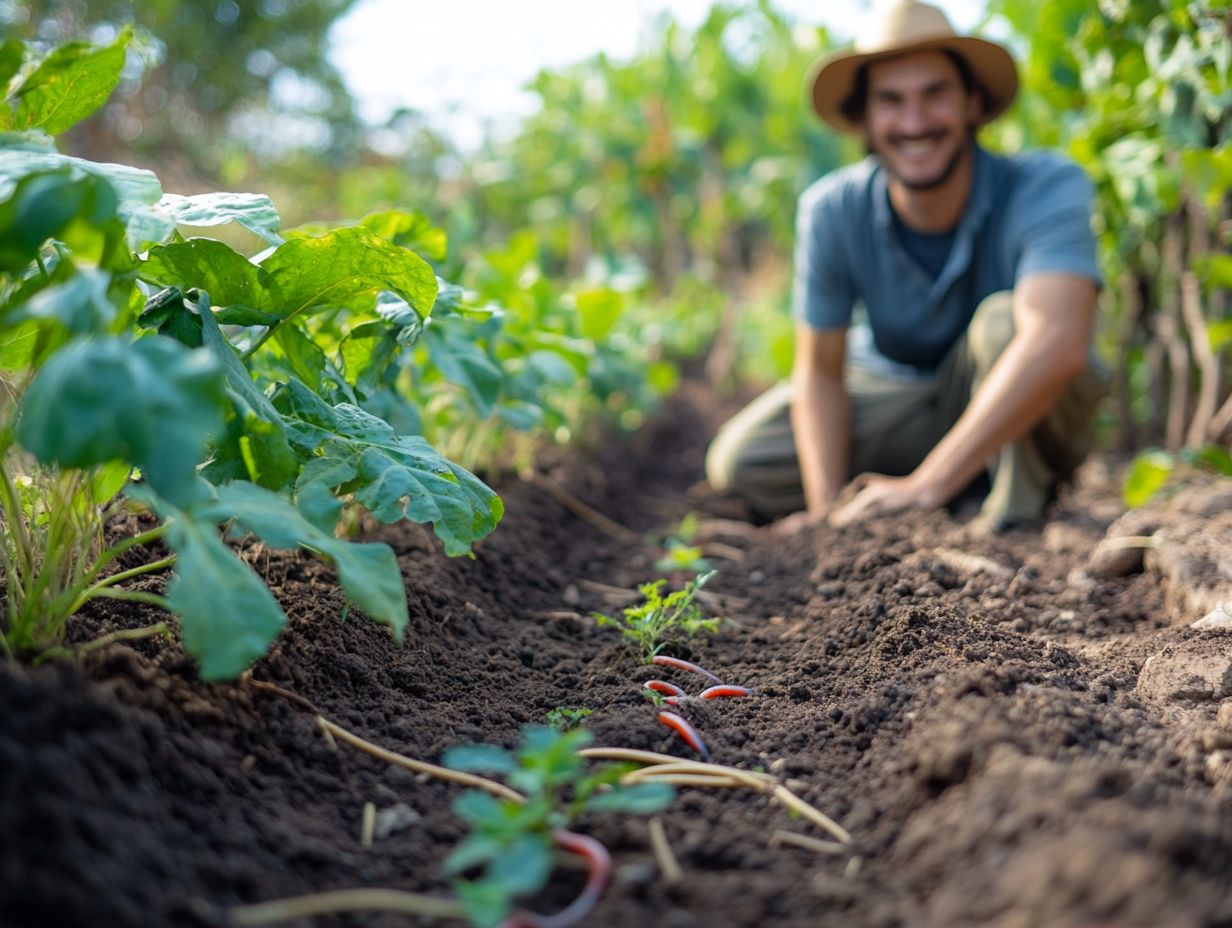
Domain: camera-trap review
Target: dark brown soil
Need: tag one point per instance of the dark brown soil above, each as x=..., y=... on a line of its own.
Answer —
x=979, y=734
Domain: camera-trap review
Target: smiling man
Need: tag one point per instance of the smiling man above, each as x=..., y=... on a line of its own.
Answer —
x=975, y=281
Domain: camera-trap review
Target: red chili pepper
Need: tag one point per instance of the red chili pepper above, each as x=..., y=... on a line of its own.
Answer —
x=600, y=869
x=726, y=690
x=685, y=731
x=662, y=686
x=684, y=665
x=674, y=700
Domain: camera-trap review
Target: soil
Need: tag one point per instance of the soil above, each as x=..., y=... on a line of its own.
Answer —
x=976, y=725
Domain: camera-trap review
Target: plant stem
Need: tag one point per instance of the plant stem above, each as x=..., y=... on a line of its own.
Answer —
x=15, y=518
x=124, y=634
x=116, y=550
x=136, y=596
x=106, y=582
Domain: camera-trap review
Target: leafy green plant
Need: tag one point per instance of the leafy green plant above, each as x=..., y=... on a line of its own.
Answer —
x=218, y=403
x=680, y=555
x=1151, y=471
x=564, y=718
x=660, y=620
x=512, y=842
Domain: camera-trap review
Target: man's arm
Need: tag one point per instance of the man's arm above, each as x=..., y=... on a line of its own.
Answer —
x=820, y=414
x=1054, y=314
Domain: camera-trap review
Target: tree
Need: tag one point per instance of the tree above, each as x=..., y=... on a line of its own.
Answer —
x=208, y=83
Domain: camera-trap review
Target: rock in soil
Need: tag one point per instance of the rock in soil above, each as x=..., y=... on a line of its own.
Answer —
x=1197, y=670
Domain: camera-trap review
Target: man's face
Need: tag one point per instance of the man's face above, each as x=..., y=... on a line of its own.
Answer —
x=919, y=119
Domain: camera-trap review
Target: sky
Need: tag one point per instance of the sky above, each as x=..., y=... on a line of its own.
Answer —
x=464, y=62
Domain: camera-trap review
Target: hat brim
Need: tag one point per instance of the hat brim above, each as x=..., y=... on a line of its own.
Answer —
x=832, y=78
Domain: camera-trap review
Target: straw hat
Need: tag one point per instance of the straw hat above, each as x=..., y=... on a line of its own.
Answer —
x=910, y=26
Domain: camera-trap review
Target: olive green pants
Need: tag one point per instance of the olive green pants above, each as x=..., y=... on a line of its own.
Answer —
x=896, y=421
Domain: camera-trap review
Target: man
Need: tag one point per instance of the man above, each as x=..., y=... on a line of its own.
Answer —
x=978, y=277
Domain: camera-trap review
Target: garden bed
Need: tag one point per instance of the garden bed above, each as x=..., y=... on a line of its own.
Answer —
x=968, y=708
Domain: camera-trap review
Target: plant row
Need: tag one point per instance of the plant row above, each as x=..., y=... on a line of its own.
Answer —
x=211, y=394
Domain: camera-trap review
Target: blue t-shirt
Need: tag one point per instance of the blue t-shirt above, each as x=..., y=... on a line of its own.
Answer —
x=1026, y=214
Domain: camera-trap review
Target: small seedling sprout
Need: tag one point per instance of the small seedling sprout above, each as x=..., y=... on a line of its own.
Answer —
x=660, y=620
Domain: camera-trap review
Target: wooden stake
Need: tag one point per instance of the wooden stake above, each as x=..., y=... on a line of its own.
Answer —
x=780, y=837
x=499, y=790
x=346, y=900
x=668, y=865
x=368, y=826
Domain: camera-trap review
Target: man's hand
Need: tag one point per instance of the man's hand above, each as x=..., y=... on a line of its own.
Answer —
x=797, y=522
x=878, y=495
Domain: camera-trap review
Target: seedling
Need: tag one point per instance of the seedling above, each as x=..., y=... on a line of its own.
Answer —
x=564, y=718
x=680, y=555
x=512, y=842
x=660, y=620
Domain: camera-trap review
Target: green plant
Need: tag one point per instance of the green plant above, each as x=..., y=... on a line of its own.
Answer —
x=680, y=555
x=513, y=841
x=564, y=718
x=210, y=405
x=1152, y=470
x=659, y=620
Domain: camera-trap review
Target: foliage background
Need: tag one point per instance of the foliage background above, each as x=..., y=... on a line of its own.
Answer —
x=671, y=177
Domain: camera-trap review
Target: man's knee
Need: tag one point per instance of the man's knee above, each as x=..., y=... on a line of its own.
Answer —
x=991, y=329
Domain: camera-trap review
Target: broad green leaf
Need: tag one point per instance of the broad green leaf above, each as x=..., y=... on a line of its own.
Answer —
x=253, y=211
x=486, y=904
x=70, y=84
x=598, y=312
x=42, y=205
x=227, y=616
x=12, y=57
x=552, y=368
x=474, y=850
x=464, y=364
x=520, y=415
x=304, y=359
x=406, y=478
x=1216, y=271
x=368, y=572
x=479, y=758
x=412, y=230
x=475, y=807
x=81, y=304
x=269, y=460
x=168, y=314
x=239, y=380
x=136, y=189
x=108, y=480
x=393, y=476
x=524, y=866
x=396, y=409
x=151, y=403
x=367, y=351
x=638, y=799
x=229, y=278
x=18, y=345
x=1219, y=333
x=370, y=575
x=1147, y=475
x=1210, y=457
x=320, y=507
x=345, y=267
